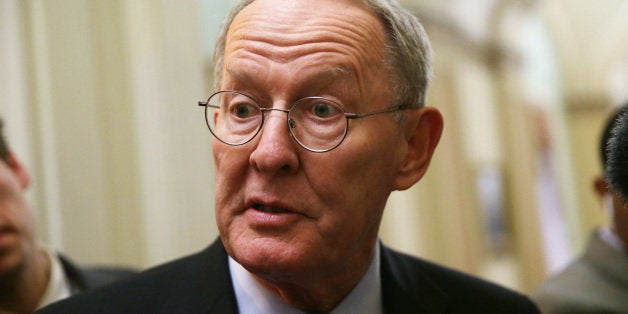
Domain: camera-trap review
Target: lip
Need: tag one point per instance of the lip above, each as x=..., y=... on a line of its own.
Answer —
x=262, y=213
x=4, y=229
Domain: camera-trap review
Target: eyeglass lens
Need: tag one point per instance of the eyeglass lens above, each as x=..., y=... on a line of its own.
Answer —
x=318, y=124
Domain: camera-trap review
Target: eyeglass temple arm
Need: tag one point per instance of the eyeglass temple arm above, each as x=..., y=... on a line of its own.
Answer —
x=361, y=115
x=206, y=104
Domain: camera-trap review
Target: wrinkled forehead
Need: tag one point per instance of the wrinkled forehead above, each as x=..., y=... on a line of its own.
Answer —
x=350, y=12
x=284, y=27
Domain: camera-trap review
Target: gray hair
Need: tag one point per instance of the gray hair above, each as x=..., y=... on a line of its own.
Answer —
x=408, y=49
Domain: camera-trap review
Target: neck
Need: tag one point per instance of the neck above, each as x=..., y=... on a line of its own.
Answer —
x=318, y=293
x=20, y=292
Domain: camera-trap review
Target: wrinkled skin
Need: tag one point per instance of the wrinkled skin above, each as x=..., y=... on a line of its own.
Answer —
x=305, y=224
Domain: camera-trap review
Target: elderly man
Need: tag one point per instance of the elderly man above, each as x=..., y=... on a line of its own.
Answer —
x=318, y=117
x=31, y=276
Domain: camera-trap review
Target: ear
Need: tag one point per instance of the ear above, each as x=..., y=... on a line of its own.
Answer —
x=423, y=129
x=600, y=186
x=18, y=169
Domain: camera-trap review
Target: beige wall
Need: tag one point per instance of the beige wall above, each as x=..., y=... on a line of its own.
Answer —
x=119, y=151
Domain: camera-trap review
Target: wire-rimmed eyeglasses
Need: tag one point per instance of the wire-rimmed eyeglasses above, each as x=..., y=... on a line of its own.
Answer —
x=318, y=124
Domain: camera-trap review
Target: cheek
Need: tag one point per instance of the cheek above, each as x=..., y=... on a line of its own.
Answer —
x=352, y=202
x=351, y=176
x=368, y=162
x=16, y=214
x=14, y=210
x=230, y=163
x=230, y=169
x=621, y=215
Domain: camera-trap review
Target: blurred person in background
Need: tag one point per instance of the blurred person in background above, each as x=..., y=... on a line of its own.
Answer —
x=617, y=166
x=597, y=281
x=32, y=276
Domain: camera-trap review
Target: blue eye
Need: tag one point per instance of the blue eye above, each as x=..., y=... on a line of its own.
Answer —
x=323, y=110
x=243, y=110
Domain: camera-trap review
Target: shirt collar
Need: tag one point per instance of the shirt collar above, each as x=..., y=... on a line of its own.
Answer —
x=252, y=297
x=610, y=237
x=58, y=285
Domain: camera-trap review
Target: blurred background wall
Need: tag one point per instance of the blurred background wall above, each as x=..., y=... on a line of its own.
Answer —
x=99, y=101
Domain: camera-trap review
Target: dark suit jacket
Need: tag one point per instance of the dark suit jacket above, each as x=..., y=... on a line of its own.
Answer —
x=87, y=278
x=201, y=283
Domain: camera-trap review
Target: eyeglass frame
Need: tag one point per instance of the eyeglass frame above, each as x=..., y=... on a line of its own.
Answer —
x=348, y=116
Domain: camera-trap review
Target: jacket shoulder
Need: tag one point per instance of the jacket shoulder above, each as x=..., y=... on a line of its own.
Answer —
x=436, y=288
x=195, y=283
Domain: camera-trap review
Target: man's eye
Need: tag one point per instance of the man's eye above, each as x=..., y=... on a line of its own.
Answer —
x=323, y=110
x=243, y=110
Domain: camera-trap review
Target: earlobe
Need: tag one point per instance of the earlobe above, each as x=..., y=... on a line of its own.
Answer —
x=19, y=171
x=424, y=127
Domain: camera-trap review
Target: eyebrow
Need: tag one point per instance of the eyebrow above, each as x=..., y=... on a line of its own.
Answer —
x=320, y=78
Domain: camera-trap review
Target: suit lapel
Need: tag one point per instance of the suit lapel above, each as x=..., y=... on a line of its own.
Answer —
x=77, y=281
x=405, y=288
x=214, y=289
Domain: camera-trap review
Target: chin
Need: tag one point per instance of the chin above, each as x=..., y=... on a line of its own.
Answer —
x=10, y=266
x=271, y=258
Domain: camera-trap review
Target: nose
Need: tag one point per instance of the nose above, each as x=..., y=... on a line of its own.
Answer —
x=276, y=151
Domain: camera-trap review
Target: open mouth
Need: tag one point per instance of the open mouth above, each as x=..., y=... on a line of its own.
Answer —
x=269, y=209
x=5, y=228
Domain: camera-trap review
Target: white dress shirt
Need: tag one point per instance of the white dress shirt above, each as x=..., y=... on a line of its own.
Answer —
x=58, y=286
x=253, y=298
x=610, y=237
